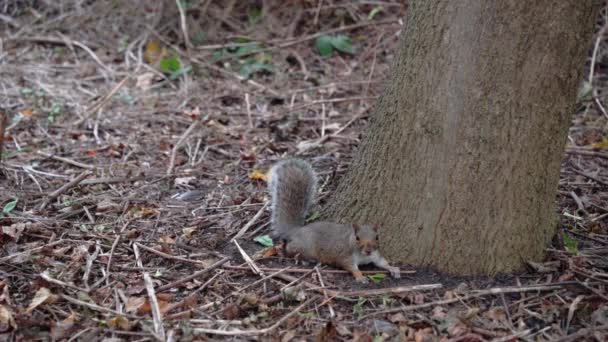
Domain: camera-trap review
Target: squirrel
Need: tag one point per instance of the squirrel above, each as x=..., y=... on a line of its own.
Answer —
x=292, y=185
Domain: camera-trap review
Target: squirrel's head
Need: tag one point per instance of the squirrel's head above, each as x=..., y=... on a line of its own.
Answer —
x=367, y=238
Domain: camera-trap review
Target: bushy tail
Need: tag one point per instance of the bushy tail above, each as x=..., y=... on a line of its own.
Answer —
x=292, y=185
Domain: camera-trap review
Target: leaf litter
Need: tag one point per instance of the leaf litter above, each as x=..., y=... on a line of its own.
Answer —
x=69, y=268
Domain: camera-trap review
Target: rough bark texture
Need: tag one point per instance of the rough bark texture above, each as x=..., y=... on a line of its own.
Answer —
x=461, y=161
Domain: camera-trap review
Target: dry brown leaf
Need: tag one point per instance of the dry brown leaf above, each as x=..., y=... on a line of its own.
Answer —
x=231, y=311
x=397, y=318
x=42, y=296
x=187, y=232
x=134, y=303
x=190, y=302
x=270, y=252
x=327, y=333
x=64, y=328
x=7, y=322
x=14, y=230
x=27, y=112
x=119, y=322
x=166, y=239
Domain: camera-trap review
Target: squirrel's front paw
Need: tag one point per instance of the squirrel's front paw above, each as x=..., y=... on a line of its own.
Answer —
x=395, y=272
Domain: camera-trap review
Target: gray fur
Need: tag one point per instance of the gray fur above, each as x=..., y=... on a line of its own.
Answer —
x=292, y=185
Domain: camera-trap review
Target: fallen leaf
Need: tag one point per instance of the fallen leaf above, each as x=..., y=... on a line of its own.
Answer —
x=27, y=112
x=327, y=333
x=258, y=175
x=134, y=303
x=601, y=144
x=119, y=322
x=270, y=252
x=397, y=318
x=42, y=296
x=183, y=181
x=14, y=230
x=64, y=328
x=153, y=52
x=190, y=302
x=7, y=322
x=231, y=311
x=166, y=239
x=144, y=80
x=187, y=232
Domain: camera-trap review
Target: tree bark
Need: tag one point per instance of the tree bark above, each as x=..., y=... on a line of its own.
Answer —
x=461, y=160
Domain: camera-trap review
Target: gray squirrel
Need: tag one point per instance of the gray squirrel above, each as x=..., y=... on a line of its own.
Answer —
x=292, y=185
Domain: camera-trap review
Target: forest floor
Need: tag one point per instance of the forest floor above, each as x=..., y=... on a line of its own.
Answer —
x=134, y=156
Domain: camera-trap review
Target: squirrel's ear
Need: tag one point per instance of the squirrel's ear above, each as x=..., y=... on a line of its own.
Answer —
x=356, y=227
x=376, y=226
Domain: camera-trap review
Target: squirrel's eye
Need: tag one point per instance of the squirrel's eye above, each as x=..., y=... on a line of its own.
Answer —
x=377, y=238
x=357, y=238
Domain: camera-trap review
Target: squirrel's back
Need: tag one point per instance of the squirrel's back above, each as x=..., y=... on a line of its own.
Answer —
x=292, y=187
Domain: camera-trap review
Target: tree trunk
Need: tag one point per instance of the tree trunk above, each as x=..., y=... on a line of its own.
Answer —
x=461, y=160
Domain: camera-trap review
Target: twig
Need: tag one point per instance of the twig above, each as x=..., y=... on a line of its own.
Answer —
x=306, y=145
x=157, y=318
x=582, y=333
x=586, y=153
x=64, y=188
x=48, y=278
x=3, y=121
x=248, y=107
x=182, y=17
x=192, y=276
x=596, y=46
x=389, y=290
x=66, y=160
x=96, y=307
x=590, y=176
x=54, y=243
x=252, y=332
x=251, y=222
x=327, y=300
x=99, y=104
x=178, y=145
x=89, y=265
x=254, y=268
x=476, y=294
x=310, y=270
x=169, y=256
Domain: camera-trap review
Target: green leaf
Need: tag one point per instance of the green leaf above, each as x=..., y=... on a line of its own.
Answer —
x=170, y=65
x=342, y=43
x=374, y=12
x=8, y=207
x=358, y=308
x=313, y=217
x=570, y=244
x=376, y=278
x=264, y=240
x=247, y=49
x=251, y=68
x=324, y=45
